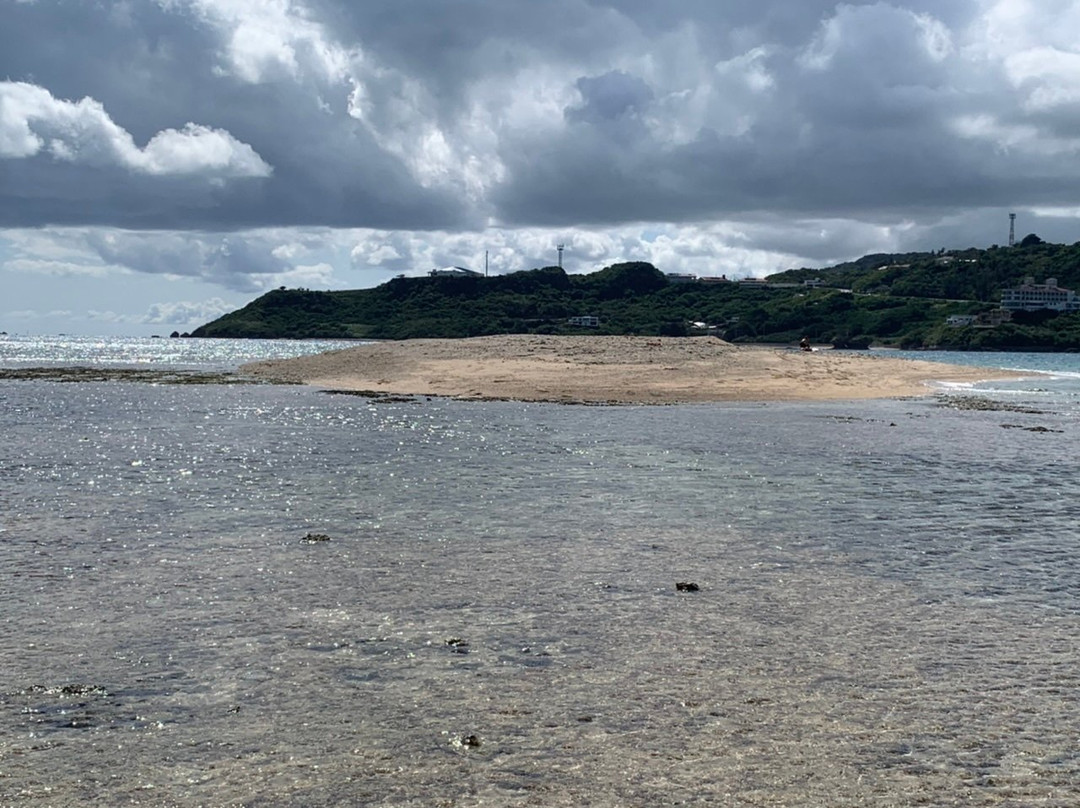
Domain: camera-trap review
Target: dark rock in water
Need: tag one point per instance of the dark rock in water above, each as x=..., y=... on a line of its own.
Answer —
x=314, y=538
x=1030, y=428
x=472, y=741
x=376, y=396
x=147, y=375
x=458, y=645
x=687, y=586
x=984, y=404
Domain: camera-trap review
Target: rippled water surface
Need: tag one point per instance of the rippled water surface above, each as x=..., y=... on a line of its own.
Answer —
x=887, y=608
x=141, y=352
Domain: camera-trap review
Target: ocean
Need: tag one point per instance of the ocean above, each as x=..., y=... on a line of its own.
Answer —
x=223, y=595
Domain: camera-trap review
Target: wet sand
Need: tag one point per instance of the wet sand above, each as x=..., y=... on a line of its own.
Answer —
x=624, y=370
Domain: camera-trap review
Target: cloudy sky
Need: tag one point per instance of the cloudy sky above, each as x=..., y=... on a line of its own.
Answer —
x=165, y=161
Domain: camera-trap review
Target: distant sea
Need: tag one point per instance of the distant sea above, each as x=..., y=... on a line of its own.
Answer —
x=272, y=596
x=156, y=352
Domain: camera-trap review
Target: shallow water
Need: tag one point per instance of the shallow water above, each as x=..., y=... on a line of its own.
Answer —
x=887, y=613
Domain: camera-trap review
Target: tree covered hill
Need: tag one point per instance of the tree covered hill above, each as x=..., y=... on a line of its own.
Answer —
x=900, y=300
x=971, y=274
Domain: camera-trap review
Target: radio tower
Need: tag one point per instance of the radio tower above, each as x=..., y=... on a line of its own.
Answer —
x=560, y=248
x=1012, y=229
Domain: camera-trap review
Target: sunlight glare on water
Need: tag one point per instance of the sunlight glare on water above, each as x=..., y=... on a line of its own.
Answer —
x=205, y=354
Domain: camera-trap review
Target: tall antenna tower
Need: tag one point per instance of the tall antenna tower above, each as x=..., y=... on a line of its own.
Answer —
x=1012, y=229
x=560, y=248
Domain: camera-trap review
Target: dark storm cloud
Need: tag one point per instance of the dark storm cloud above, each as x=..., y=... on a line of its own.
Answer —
x=226, y=114
x=860, y=118
x=154, y=68
x=613, y=98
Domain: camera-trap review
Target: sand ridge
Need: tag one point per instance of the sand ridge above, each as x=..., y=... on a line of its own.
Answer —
x=612, y=369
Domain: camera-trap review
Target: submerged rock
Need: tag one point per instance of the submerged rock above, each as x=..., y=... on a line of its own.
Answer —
x=687, y=586
x=1031, y=428
x=458, y=645
x=81, y=373
x=314, y=538
x=985, y=405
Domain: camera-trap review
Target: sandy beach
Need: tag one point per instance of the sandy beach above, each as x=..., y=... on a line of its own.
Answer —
x=601, y=369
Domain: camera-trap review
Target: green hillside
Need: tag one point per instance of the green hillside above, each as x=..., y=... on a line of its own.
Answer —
x=898, y=300
x=970, y=274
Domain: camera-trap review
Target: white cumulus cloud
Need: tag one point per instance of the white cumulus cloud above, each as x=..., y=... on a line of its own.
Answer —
x=32, y=120
x=186, y=312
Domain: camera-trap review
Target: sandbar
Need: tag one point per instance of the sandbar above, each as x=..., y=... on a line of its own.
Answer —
x=613, y=370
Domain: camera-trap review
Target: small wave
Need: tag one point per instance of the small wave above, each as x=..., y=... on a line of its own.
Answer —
x=1016, y=391
x=947, y=386
x=1054, y=374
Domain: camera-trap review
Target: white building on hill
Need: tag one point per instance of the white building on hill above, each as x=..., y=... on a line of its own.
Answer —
x=1031, y=296
x=585, y=321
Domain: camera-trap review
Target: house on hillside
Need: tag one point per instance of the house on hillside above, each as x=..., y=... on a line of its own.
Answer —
x=960, y=320
x=585, y=321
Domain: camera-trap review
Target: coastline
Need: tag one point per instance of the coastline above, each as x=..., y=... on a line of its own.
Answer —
x=612, y=370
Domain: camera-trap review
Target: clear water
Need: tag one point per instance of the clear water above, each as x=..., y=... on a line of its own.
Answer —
x=888, y=609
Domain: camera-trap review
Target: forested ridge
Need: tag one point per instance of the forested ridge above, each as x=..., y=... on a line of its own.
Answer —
x=899, y=300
